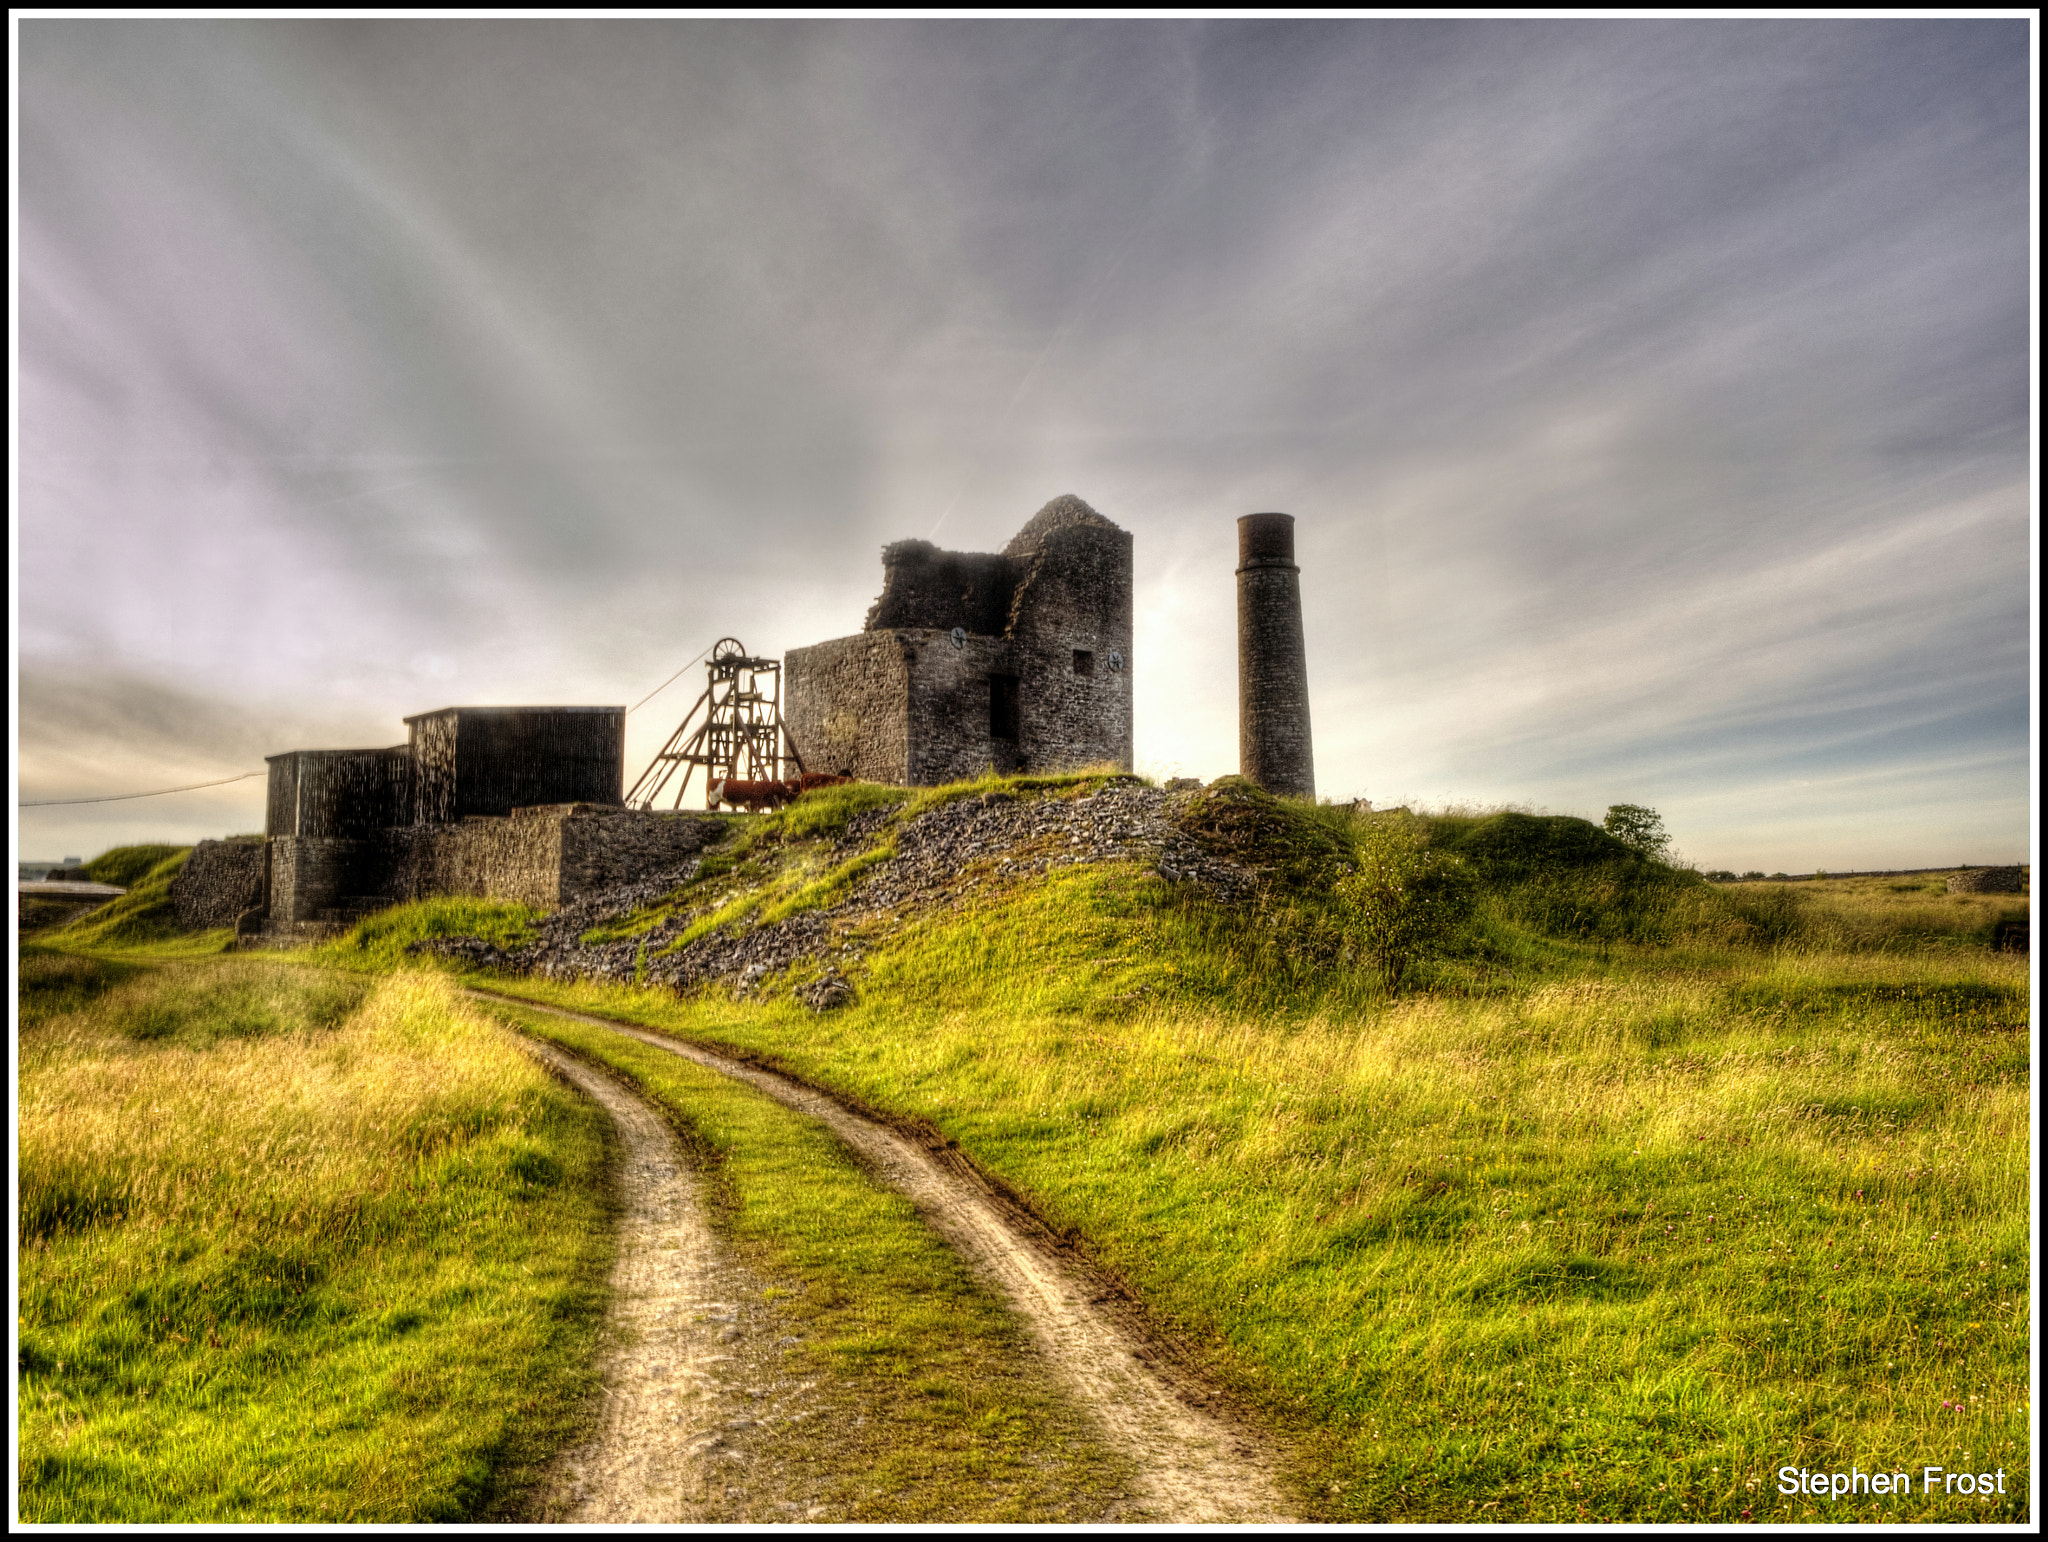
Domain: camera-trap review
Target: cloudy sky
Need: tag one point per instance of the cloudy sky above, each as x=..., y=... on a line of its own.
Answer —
x=1652, y=396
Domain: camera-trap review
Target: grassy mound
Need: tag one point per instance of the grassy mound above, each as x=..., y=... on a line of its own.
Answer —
x=126, y=866
x=144, y=914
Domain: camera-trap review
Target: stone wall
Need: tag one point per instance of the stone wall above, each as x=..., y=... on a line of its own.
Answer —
x=605, y=847
x=1019, y=660
x=952, y=734
x=351, y=793
x=1988, y=880
x=934, y=590
x=312, y=873
x=219, y=881
x=847, y=706
x=1071, y=627
x=544, y=857
x=491, y=760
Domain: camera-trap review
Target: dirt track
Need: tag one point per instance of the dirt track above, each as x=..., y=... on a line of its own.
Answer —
x=1193, y=1466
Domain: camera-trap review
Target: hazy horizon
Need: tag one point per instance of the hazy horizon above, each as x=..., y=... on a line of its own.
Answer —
x=1653, y=397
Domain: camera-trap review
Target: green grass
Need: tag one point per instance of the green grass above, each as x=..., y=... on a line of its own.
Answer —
x=379, y=941
x=143, y=915
x=1593, y=1228
x=941, y=1411
x=293, y=1247
x=1652, y=1187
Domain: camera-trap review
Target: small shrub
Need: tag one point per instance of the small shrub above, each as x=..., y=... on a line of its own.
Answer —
x=1403, y=899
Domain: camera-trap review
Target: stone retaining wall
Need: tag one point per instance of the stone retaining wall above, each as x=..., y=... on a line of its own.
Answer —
x=219, y=881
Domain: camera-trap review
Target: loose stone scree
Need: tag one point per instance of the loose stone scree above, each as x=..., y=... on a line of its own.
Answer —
x=1273, y=749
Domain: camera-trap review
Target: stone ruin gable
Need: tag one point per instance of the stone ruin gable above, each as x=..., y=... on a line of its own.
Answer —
x=929, y=589
x=490, y=760
x=219, y=881
x=545, y=857
x=1029, y=684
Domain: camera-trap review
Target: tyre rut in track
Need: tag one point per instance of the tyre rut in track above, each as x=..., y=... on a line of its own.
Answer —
x=666, y=1443
x=1193, y=1466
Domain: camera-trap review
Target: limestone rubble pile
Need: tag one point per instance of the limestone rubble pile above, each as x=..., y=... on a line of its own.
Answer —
x=942, y=857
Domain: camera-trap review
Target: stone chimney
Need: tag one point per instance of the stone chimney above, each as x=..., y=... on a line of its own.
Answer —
x=1273, y=748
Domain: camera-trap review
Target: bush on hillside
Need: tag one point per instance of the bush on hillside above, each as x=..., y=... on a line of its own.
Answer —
x=1640, y=829
x=1402, y=900
x=1509, y=847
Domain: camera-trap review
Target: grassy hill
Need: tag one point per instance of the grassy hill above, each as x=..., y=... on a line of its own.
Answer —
x=1639, y=1190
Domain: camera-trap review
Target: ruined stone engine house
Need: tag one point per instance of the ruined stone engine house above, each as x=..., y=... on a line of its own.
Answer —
x=1018, y=660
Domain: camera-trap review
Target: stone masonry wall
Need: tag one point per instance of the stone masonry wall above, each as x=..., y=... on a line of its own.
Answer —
x=492, y=760
x=544, y=857
x=605, y=847
x=950, y=737
x=219, y=881
x=311, y=873
x=847, y=706
x=1071, y=630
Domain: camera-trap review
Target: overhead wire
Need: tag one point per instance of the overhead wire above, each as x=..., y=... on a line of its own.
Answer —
x=164, y=792
x=123, y=797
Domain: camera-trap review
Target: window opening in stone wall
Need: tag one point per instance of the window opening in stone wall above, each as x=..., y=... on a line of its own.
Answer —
x=1084, y=662
x=1003, y=716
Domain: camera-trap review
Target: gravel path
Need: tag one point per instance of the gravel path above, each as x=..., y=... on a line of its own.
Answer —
x=1194, y=1465
x=688, y=1380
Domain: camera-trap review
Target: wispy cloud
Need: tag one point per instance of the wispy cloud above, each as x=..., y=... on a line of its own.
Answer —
x=1652, y=395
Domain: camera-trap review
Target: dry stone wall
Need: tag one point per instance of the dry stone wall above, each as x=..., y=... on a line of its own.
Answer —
x=310, y=874
x=1988, y=880
x=847, y=706
x=219, y=881
x=544, y=857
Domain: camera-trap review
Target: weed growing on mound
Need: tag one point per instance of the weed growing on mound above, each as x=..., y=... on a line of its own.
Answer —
x=126, y=866
x=285, y=1261
x=144, y=914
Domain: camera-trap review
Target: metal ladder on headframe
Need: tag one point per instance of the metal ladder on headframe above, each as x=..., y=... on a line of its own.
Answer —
x=735, y=730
